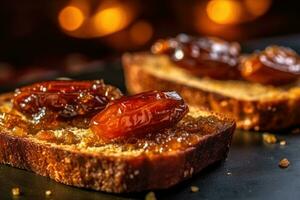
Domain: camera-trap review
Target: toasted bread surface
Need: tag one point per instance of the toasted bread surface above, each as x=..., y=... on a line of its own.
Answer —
x=254, y=106
x=154, y=161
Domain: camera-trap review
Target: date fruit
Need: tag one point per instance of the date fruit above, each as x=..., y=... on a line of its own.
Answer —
x=206, y=56
x=64, y=99
x=275, y=65
x=139, y=114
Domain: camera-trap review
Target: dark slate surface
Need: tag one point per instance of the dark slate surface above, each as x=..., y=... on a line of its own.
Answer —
x=250, y=172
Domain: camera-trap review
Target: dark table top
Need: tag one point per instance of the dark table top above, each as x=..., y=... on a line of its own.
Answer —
x=250, y=172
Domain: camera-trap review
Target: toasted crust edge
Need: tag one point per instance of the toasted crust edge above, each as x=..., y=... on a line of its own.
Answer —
x=250, y=115
x=116, y=174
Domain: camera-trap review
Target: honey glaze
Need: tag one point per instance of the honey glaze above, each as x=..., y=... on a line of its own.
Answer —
x=14, y=124
x=186, y=133
x=178, y=136
x=153, y=121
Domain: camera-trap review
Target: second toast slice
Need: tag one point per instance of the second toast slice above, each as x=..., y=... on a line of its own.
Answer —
x=254, y=106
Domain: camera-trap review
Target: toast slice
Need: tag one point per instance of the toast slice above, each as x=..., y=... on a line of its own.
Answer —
x=156, y=161
x=254, y=106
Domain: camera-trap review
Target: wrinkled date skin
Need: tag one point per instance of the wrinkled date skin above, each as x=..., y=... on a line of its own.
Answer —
x=275, y=65
x=205, y=56
x=63, y=99
x=139, y=114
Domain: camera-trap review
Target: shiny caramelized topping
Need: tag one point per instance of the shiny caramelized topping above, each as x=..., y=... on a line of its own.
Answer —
x=14, y=123
x=218, y=59
x=139, y=114
x=53, y=101
x=275, y=65
x=205, y=56
x=184, y=134
x=161, y=115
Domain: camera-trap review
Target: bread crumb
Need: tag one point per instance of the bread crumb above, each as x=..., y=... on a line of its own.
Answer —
x=67, y=160
x=269, y=138
x=48, y=193
x=18, y=131
x=282, y=143
x=229, y=173
x=150, y=196
x=16, y=191
x=46, y=135
x=194, y=189
x=284, y=163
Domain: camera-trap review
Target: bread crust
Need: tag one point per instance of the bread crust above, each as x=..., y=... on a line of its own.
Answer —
x=115, y=174
x=249, y=114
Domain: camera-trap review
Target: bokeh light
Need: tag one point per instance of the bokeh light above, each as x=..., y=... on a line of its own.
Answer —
x=141, y=32
x=110, y=20
x=84, y=19
x=71, y=18
x=224, y=11
x=258, y=8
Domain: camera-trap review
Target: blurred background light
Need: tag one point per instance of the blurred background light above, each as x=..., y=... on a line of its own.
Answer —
x=258, y=7
x=236, y=11
x=224, y=11
x=70, y=18
x=105, y=29
x=90, y=19
x=110, y=20
x=141, y=32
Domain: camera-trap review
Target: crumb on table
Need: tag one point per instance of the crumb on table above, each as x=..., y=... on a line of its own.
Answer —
x=150, y=196
x=194, y=189
x=48, y=192
x=282, y=143
x=16, y=191
x=269, y=138
x=284, y=163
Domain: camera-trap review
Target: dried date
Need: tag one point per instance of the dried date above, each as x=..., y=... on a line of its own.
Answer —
x=63, y=99
x=138, y=114
x=204, y=56
x=275, y=65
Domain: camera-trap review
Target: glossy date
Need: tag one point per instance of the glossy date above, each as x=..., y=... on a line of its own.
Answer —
x=205, y=56
x=139, y=114
x=64, y=98
x=275, y=65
